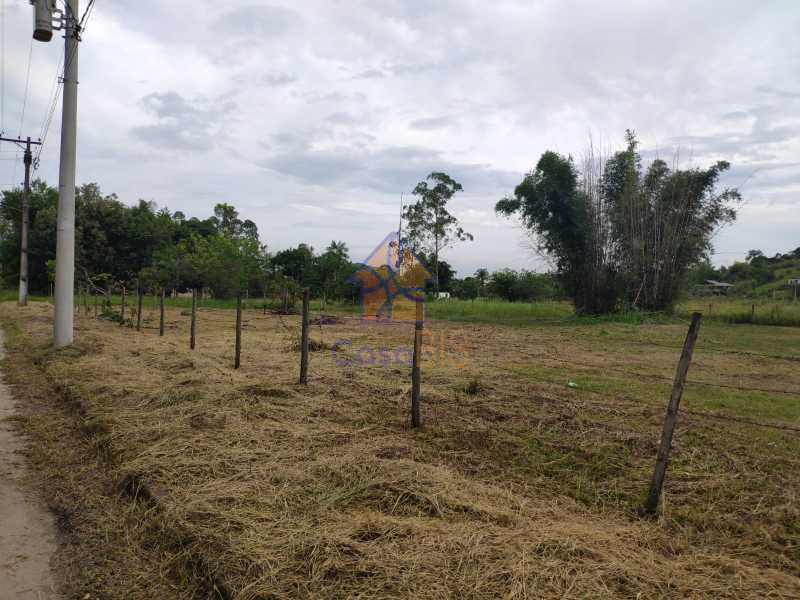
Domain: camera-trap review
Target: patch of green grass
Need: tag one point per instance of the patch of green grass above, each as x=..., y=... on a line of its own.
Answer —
x=745, y=403
x=742, y=310
x=11, y=295
x=498, y=312
x=585, y=472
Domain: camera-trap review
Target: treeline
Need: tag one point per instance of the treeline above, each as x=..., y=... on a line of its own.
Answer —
x=153, y=248
x=622, y=235
x=142, y=245
x=756, y=273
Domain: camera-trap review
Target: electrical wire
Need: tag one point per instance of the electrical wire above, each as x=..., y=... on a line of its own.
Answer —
x=2, y=65
x=25, y=96
x=59, y=82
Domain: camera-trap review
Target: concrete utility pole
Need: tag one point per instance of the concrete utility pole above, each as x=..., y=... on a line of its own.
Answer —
x=63, y=322
x=24, y=220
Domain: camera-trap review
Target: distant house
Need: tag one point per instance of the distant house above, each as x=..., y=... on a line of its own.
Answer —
x=719, y=288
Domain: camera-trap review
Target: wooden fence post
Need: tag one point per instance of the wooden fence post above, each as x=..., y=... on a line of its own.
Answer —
x=95, y=304
x=416, y=374
x=161, y=315
x=122, y=310
x=237, y=360
x=139, y=309
x=304, y=338
x=671, y=417
x=193, y=327
x=753, y=313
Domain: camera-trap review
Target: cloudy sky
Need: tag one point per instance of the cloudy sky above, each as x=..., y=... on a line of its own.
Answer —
x=313, y=117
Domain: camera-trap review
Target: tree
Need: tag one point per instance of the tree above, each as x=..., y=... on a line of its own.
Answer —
x=297, y=264
x=446, y=273
x=621, y=236
x=502, y=284
x=430, y=227
x=482, y=276
x=42, y=202
x=333, y=268
x=467, y=288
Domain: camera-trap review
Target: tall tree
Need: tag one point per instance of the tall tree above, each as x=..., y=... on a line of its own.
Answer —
x=482, y=276
x=622, y=236
x=430, y=227
x=333, y=268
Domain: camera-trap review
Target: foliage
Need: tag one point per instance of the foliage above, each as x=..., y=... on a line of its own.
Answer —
x=134, y=245
x=468, y=288
x=430, y=227
x=527, y=286
x=621, y=236
x=756, y=275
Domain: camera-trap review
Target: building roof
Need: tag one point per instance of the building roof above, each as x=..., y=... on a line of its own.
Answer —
x=715, y=283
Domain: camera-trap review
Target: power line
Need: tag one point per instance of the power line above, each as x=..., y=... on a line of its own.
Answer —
x=56, y=93
x=2, y=65
x=25, y=97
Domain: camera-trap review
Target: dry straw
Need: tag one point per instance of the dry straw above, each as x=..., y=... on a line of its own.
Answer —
x=324, y=491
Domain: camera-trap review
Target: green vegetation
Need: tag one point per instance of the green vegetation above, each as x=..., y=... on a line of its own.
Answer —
x=759, y=311
x=603, y=225
x=430, y=226
x=757, y=276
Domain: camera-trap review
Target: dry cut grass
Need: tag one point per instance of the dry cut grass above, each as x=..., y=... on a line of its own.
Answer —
x=515, y=488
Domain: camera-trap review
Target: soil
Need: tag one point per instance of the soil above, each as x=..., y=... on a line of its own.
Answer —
x=28, y=533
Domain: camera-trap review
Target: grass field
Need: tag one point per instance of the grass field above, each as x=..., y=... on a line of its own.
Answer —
x=733, y=310
x=525, y=481
x=497, y=312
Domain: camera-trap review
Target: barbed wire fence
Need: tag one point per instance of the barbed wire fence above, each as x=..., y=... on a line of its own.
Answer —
x=301, y=334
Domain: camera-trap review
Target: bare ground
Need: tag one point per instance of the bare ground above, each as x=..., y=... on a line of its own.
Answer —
x=27, y=535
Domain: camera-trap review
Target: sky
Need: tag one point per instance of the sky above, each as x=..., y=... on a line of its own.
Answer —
x=314, y=118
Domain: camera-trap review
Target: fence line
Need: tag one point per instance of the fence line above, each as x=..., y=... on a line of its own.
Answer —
x=663, y=379
x=581, y=366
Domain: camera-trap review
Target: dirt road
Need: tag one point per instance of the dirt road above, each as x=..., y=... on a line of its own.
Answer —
x=27, y=532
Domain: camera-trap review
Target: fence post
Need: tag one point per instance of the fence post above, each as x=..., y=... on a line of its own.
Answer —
x=193, y=328
x=95, y=304
x=671, y=417
x=161, y=315
x=122, y=310
x=304, y=338
x=753, y=313
x=237, y=361
x=139, y=309
x=265, y=298
x=416, y=421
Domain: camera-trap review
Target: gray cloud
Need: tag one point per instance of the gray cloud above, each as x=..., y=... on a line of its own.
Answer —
x=181, y=124
x=389, y=170
x=258, y=21
x=370, y=74
x=430, y=123
x=276, y=79
x=282, y=105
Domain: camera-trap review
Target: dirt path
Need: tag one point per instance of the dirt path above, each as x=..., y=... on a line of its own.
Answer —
x=27, y=532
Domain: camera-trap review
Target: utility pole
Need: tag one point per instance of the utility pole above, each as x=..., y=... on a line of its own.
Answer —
x=24, y=219
x=63, y=322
